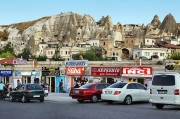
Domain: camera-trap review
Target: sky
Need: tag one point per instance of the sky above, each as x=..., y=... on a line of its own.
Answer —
x=123, y=11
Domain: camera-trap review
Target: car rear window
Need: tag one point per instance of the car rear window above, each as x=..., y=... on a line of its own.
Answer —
x=163, y=80
x=117, y=85
x=34, y=87
x=87, y=86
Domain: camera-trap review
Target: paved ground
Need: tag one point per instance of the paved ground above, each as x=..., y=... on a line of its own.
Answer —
x=61, y=106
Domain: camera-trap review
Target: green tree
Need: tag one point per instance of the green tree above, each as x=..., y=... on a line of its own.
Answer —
x=26, y=54
x=6, y=54
x=93, y=54
x=8, y=48
x=41, y=58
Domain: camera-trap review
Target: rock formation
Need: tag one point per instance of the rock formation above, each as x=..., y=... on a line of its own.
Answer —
x=169, y=25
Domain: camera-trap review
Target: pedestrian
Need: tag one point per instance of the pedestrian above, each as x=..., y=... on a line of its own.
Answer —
x=2, y=86
x=61, y=87
x=18, y=82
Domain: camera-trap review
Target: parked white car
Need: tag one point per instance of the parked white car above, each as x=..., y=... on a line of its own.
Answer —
x=125, y=92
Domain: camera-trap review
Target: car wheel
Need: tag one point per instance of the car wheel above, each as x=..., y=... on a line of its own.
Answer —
x=11, y=98
x=128, y=100
x=109, y=102
x=42, y=100
x=28, y=100
x=80, y=101
x=159, y=106
x=94, y=98
x=24, y=99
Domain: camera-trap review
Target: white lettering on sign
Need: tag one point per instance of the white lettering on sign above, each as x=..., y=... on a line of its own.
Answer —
x=5, y=72
x=77, y=63
x=108, y=70
x=73, y=71
x=137, y=71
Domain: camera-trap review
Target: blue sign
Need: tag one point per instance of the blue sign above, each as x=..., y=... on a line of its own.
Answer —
x=17, y=73
x=5, y=72
x=81, y=63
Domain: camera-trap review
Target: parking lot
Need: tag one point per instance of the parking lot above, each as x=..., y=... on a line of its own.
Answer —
x=61, y=106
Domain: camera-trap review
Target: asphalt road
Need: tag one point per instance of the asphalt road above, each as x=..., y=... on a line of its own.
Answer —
x=68, y=108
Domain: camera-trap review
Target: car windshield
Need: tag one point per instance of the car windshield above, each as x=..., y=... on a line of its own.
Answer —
x=117, y=85
x=87, y=86
x=163, y=80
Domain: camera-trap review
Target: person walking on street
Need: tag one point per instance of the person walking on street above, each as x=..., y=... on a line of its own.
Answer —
x=61, y=87
x=2, y=86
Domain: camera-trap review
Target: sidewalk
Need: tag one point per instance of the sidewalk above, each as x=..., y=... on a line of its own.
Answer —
x=61, y=97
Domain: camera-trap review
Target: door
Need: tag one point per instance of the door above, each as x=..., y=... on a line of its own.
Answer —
x=144, y=93
x=133, y=91
x=50, y=80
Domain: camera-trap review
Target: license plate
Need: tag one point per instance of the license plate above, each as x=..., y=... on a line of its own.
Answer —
x=76, y=91
x=36, y=96
x=162, y=92
x=108, y=92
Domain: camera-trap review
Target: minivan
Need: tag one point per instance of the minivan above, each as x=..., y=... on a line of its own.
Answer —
x=165, y=89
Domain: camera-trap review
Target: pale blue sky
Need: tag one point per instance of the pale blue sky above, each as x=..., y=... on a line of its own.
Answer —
x=123, y=11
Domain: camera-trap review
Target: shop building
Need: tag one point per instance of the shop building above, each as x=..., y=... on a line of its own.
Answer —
x=140, y=74
x=75, y=71
x=106, y=74
x=51, y=76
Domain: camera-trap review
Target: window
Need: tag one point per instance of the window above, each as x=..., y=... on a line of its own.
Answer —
x=146, y=53
x=102, y=86
x=162, y=54
x=48, y=52
x=69, y=52
x=131, y=86
x=51, y=52
x=163, y=80
x=139, y=86
x=104, y=43
x=66, y=52
x=132, y=41
x=117, y=85
x=87, y=86
x=147, y=40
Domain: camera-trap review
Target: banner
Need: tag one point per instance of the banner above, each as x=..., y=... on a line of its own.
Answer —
x=105, y=71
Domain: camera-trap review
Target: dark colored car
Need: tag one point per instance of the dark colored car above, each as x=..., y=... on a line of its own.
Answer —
x=27, y=92
x=90, y=91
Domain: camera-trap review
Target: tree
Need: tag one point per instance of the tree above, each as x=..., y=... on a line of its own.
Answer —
x=93, y=54
x=41, y=58
x=6, y=55
x=8, y=48
x=26, y=54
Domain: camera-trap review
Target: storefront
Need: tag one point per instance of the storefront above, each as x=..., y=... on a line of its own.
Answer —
x=6, y=76
x=106, y=74
x=140, y=74
x=75, y=71
x=51, y=76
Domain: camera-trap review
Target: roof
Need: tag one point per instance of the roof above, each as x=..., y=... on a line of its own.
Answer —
x=7, y=60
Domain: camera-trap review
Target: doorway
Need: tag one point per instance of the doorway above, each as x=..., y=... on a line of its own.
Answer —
x=50, y=80
x=26, y=79
x=141, y=81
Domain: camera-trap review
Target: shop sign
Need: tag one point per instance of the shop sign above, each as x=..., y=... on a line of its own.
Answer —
x=75, y=71
x=50, y=68
x=26, y=73
x=35, y=73
x=19, y=61
x=80, y=63
x=5, y=72
x=137, y=71
x=105, y=71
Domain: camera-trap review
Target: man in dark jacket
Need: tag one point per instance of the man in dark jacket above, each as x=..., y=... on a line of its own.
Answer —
x=61, y=87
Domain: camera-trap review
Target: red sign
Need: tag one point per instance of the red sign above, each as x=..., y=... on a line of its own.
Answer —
x=75, y=71
x=137, y=71
x=105, y=71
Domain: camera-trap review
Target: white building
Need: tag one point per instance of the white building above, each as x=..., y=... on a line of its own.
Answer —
x=148, y=52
